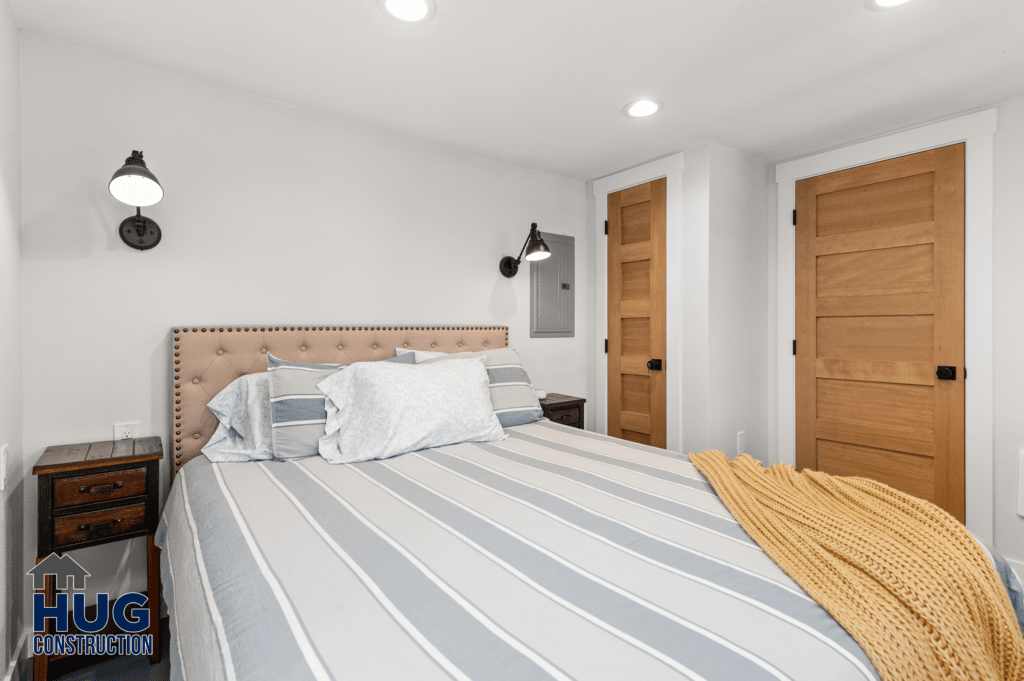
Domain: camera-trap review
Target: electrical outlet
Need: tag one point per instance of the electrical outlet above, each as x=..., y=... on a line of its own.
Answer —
x=741, y=442
x=5, y=453
x=126, y=431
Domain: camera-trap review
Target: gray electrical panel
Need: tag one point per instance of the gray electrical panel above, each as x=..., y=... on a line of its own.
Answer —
x=553, y=290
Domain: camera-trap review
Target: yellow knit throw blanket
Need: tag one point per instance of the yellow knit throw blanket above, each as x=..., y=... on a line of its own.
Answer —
x=907, y=580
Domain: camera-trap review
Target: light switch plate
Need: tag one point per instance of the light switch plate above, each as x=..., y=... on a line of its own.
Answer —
x=741, y=442
x=1020, y=483
x=126, y=431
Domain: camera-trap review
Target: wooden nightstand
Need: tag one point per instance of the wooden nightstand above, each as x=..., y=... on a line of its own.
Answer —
x=564, y=409
x=97, y=493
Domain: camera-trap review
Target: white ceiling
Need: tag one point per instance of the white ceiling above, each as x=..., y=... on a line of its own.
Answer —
x=541, y=83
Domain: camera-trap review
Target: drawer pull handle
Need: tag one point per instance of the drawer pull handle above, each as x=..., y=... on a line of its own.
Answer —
x=100, y=489
x=99, y=529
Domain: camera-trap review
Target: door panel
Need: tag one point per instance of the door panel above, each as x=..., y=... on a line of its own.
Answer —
x=636, y=223
x=899, y=339
x=872, y=239
x=636, y=313
x=901, y=407
x=636, y=280
x=885, y=271
x=902, y=201
x=910, y=373
x=912, y=474
x=880, y=305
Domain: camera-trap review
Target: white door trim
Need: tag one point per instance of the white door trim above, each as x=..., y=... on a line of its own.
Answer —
x=976, y=130
x=671, y=168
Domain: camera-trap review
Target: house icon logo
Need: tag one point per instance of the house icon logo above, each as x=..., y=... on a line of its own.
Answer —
x=67, y=573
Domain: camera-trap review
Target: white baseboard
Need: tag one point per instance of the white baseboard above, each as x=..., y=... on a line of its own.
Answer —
x=14, y=668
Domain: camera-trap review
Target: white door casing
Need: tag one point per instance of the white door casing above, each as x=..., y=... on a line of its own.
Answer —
x=977, y=131
x=671, y=168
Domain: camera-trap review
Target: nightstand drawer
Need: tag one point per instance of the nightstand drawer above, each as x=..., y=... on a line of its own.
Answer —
x=87, y=489
x=569, y=416
x=109, y=522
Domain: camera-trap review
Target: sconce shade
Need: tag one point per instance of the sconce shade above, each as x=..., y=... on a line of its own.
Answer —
x=134, y=184
x=537, y=249
x=533, y=249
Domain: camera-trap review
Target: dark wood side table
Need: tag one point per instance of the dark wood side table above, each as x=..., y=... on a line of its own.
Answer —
x=564, y=409
x=97, y=493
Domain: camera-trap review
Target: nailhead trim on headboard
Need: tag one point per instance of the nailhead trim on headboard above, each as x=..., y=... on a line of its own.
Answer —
x=213, y=361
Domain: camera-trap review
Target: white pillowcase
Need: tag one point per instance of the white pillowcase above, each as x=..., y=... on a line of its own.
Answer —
x=244, y=433
x=377, y=410
x=420, y=354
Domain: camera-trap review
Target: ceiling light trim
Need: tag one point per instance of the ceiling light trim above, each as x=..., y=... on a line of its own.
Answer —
x=656, y=102
x=431, y=11
x=878, y=5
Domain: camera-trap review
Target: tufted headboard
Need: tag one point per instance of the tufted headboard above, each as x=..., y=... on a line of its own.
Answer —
x=205, y=361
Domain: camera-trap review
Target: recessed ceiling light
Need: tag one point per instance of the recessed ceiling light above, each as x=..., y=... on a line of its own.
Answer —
x=642, y=107
x=884, y=4
x=408, y=11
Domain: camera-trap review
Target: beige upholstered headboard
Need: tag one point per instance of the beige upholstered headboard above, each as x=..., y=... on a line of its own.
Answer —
x=205, y=361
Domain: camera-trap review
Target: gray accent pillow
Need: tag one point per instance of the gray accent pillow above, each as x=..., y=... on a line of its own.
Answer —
x=420, y=354
x=515, y=403
x=379, y=410
x=244, y=433
x=297, y=408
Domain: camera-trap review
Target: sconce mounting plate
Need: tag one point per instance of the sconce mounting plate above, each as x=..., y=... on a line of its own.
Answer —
x=140, y=232
x=509, y=266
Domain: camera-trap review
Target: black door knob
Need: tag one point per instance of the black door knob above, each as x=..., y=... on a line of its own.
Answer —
x=654, y=365
x=946, y=373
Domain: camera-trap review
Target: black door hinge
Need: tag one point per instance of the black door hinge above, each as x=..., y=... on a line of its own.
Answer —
x=605, y=226
x=794, y=218
x=606, y=346
x=965, y=373
x=794, y=347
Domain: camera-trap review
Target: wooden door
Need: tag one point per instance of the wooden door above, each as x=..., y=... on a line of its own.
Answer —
x=880, y=307
x=636, y=313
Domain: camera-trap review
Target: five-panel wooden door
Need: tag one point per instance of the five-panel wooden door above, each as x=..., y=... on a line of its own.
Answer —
x=880, y=324
x=636, y=313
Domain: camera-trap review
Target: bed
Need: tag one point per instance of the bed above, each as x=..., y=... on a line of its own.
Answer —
x=555, y=553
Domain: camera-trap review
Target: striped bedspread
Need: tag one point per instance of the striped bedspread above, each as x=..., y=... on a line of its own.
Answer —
x=554, y=554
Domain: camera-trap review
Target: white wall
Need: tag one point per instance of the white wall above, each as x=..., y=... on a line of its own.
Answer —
x=589, y=303
x=739, y=308
x=272, y=215
x=12, y=499
x=696, y=189
x=772, y=310
x=1008, y=343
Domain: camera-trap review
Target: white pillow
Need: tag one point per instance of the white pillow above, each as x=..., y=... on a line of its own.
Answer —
x=244, y=433
x=377, y=410
x=420, y=354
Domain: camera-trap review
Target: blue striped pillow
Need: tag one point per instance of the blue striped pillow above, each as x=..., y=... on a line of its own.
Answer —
x=297, y=412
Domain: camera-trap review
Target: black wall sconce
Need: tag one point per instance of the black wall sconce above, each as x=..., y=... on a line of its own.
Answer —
x=534, y=249
x=135, y=185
